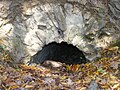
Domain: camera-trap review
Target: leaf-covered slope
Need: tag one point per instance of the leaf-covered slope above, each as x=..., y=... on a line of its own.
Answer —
x=102, y=74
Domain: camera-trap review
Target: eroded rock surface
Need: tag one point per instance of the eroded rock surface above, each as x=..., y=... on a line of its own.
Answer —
x=27, y=26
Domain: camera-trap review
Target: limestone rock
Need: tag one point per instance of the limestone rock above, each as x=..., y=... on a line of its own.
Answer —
x=27, y=26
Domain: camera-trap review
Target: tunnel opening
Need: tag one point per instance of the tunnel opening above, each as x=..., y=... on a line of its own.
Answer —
x=59, y=52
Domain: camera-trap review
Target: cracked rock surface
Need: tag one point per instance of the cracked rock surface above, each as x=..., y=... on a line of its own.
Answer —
x=27, y=26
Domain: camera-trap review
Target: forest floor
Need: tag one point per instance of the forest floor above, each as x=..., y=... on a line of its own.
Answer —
x=102, y=74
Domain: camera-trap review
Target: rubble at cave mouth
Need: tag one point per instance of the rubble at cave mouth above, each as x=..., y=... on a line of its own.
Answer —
x=59, y=52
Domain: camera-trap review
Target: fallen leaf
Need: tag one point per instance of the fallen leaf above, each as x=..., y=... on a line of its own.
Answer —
x=116, y=86
x=49, y=80
x=1, y=41
x=29, y=86
x=114, y=65
x=70, y=82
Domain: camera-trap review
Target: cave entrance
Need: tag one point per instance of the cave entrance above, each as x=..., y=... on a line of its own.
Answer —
x=59, y=52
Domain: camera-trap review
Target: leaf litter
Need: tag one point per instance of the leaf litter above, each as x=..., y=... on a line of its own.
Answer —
x=102, y=74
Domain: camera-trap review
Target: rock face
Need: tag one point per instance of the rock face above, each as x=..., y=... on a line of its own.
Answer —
x=27, y=26
x=60, y=52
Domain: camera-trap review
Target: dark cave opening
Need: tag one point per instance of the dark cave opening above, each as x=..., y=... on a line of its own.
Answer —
x=59, y=52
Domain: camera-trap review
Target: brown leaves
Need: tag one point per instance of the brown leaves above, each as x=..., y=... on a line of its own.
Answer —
x=104, y=72
x=1, y=41
x=73, y=68
x=110, y=52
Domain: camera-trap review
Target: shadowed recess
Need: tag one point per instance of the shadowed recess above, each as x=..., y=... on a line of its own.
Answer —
x=59, y=52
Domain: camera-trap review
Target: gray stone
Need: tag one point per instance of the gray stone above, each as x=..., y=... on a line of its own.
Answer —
x=115, y=7
x=93, y=86
x=26, y=27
